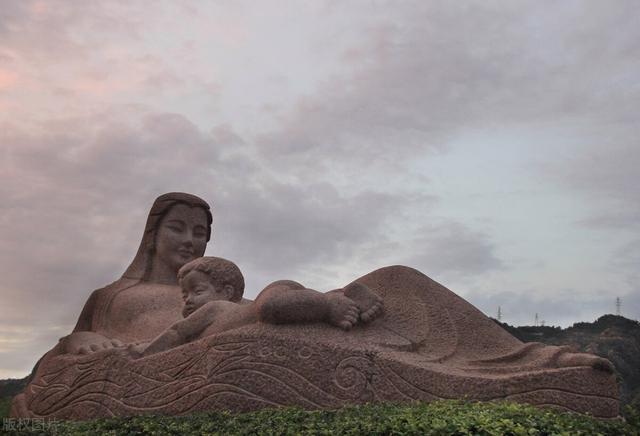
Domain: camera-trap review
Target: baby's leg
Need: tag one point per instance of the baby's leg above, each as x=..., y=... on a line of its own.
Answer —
x=287, y=302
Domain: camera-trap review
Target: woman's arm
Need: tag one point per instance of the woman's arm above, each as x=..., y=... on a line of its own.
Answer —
x=83, y=340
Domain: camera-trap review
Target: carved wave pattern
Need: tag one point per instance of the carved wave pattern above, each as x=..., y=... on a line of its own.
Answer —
x=240, y=374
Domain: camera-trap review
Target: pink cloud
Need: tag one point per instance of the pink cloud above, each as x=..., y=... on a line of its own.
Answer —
x=39, y=8
x=7, y=79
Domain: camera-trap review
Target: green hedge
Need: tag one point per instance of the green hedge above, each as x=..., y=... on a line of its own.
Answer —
x=438, y=418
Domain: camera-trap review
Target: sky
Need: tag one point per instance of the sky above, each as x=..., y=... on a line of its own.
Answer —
x=492, y=145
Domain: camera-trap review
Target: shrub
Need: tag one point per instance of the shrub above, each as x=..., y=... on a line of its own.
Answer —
x=437, y=418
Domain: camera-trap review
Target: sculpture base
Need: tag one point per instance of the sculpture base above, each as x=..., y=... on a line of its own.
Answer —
x=262, y=366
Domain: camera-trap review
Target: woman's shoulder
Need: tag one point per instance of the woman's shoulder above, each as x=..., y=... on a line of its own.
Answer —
x=105, y=294
x=121, y=283
x=96, y=305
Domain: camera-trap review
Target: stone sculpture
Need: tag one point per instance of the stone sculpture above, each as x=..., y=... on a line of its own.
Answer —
x=391, y=335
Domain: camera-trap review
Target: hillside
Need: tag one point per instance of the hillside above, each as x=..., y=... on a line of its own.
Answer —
x=11, y=387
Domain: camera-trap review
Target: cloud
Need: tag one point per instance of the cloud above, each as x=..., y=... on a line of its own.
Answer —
x=429, y=69
x=604, y=179
x=452, y=251
x=19, y=346
x=560, y=308
x=82, y=188
x=628, y=256
x=299, y=225
x=625, y=262
x=46, y=32
x=606, y=175
x=73, y=58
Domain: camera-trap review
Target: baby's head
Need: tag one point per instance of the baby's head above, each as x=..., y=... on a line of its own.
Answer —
x=209, y=279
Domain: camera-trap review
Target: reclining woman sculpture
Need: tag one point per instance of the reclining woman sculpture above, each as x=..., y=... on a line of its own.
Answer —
x=422, y=342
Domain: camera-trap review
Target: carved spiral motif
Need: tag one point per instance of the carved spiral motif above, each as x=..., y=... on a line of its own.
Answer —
x=264, y=351
x=305, y=353
x=351, y=377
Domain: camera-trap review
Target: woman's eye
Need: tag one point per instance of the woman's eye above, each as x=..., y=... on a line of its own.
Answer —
x=175, y=228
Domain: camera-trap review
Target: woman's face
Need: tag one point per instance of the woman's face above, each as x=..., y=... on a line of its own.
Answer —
x=181, y=235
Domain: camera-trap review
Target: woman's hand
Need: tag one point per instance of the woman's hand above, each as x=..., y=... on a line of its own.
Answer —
x=105, y=345
x=88, y=342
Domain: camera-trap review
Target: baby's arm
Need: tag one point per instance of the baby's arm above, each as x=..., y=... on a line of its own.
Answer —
x=181, y=332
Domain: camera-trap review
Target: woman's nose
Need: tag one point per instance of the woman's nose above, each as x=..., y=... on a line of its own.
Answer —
x=188, y=238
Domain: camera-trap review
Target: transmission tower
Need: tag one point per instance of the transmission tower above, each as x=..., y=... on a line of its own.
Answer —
x=499, y=314
x=618, y=306
x=535, y=323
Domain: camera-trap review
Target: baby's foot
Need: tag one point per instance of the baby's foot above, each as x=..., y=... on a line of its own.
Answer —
x=343, y=311
x=370, y=304
x=583, y=359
